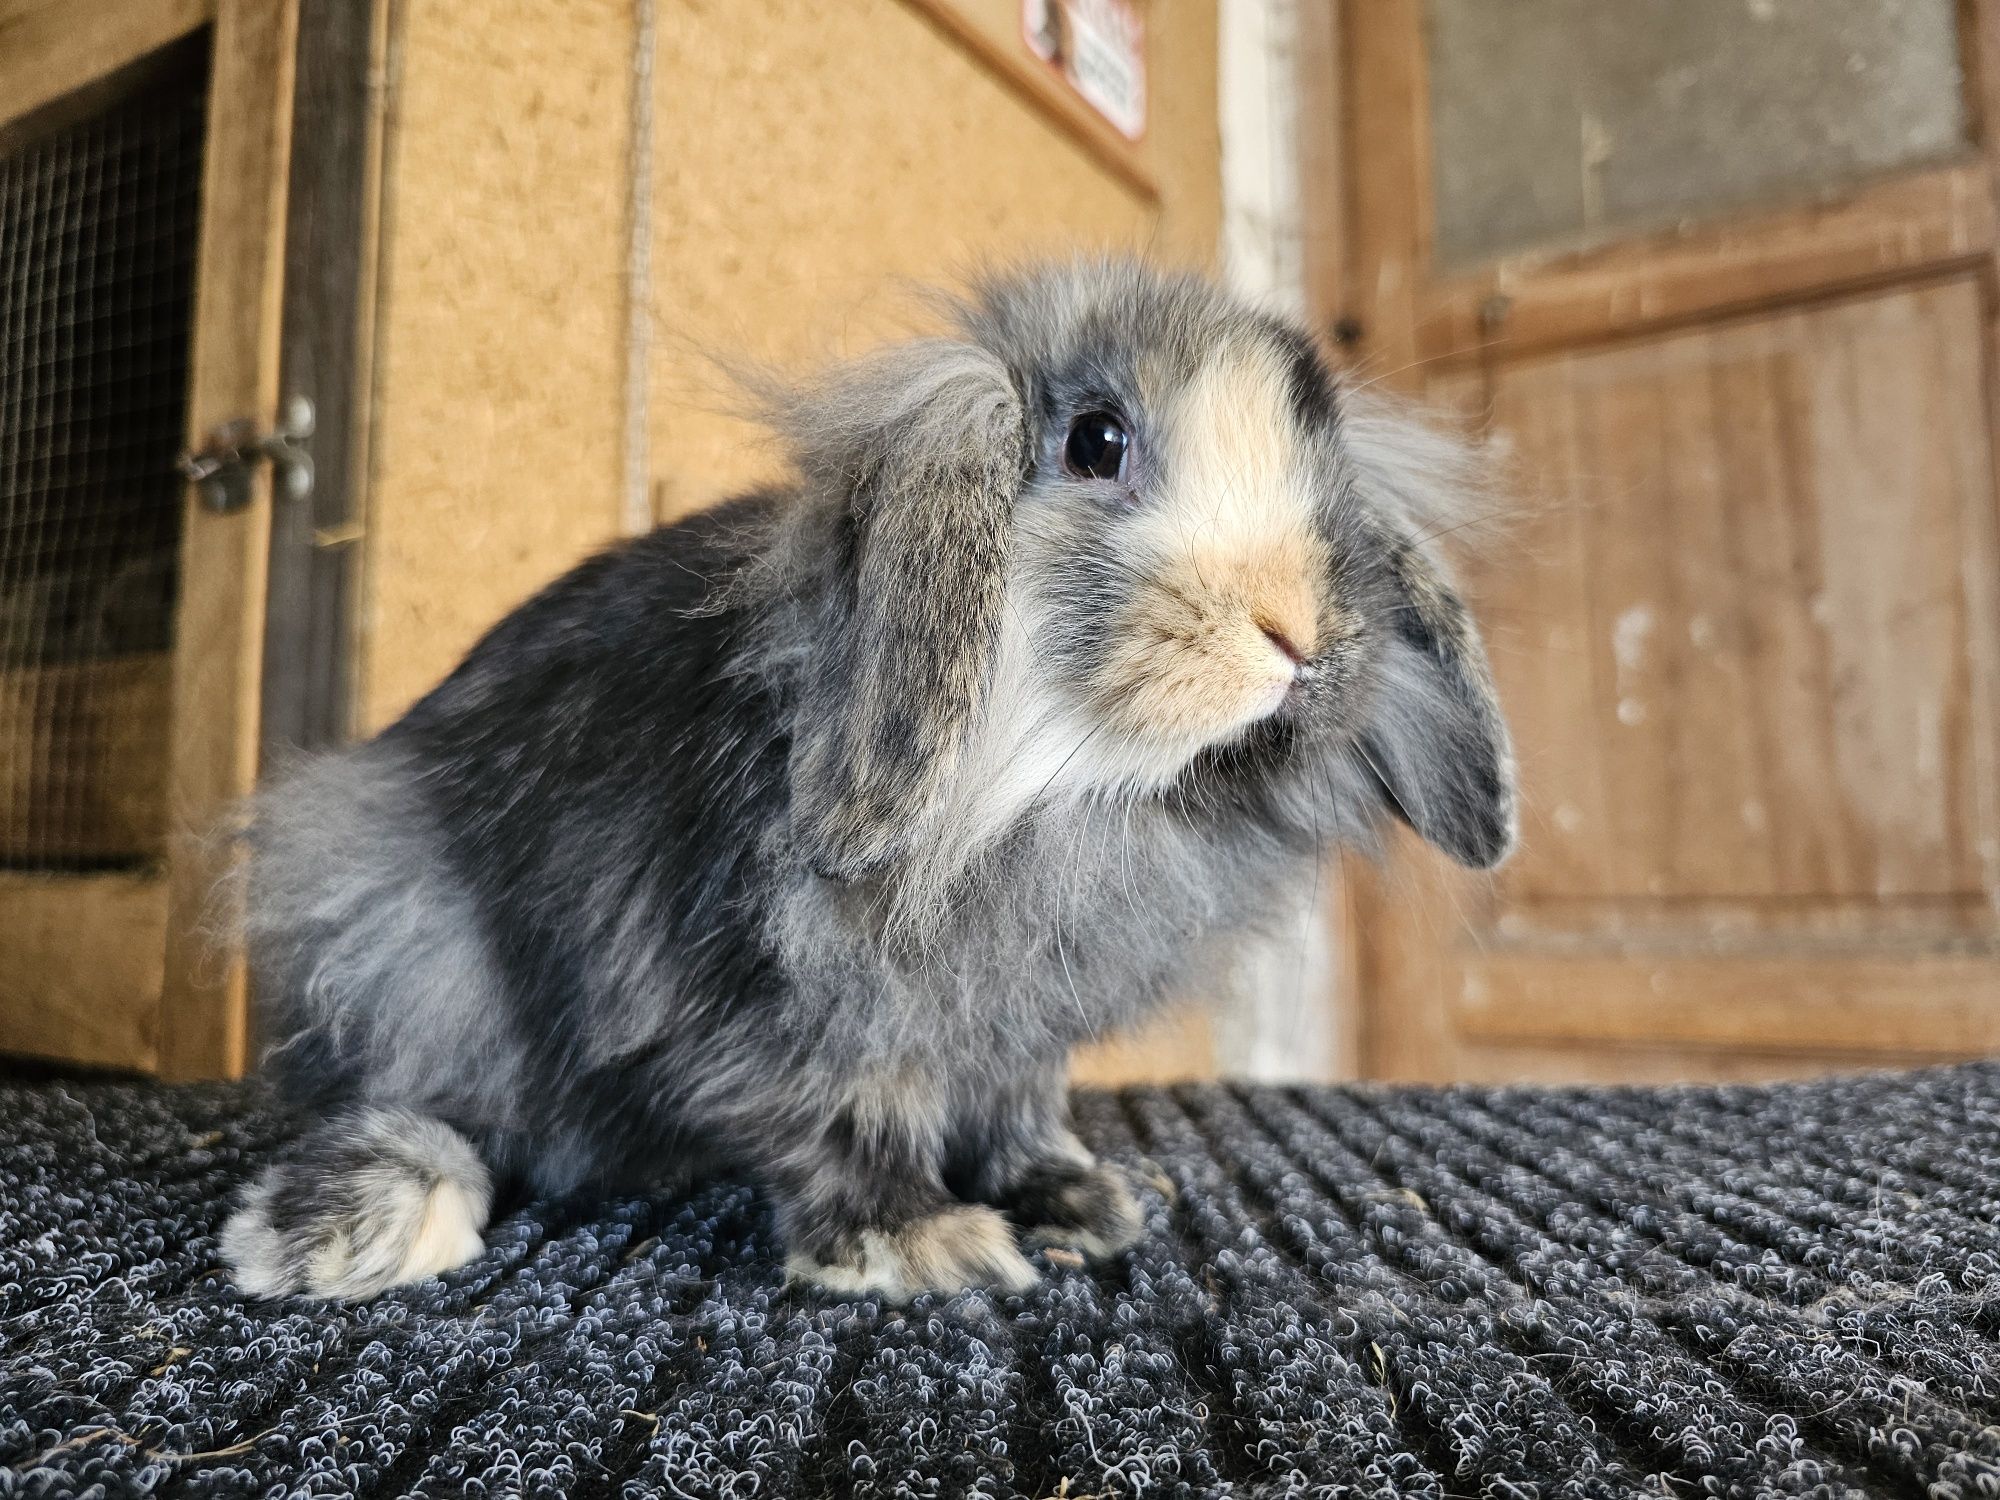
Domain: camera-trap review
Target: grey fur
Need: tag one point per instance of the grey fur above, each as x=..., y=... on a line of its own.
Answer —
x=804, y=838
x=928, y=442
x=350, y=899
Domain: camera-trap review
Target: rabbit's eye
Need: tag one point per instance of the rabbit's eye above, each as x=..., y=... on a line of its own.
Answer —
x=1096, y=446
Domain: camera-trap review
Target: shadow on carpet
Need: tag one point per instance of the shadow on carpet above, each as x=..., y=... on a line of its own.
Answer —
x=1783, y=1290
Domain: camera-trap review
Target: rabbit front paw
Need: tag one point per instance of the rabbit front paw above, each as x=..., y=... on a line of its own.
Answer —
x=948, y=1251
x=1091, y=1209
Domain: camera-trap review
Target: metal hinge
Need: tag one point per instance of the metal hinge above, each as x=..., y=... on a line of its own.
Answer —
x=221, y=470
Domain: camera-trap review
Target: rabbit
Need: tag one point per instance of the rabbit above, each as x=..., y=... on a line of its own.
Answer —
x=802, y=839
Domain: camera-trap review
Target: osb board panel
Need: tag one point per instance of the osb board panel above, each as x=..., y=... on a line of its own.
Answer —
x=1183, y=129
x=812, y=160
x=1176, y=1045
x=992, y=30
x=808, y=163
x=94, y=1003
x=501, y=342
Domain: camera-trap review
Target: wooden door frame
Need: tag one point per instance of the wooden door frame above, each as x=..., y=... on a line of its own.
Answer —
x=278, y=609
x=1375, y=291
x=1403, y=315
x=203, y=1028
x=331, y=261
x=56, y=67
x=149, y=935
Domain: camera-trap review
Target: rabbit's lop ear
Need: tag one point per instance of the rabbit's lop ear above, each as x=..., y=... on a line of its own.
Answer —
x=1437, y=742
x=927, y=444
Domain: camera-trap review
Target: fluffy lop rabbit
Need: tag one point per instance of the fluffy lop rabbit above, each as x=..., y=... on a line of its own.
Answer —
x=805, y=837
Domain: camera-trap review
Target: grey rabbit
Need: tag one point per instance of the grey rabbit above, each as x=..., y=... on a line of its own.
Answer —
x=803, y=838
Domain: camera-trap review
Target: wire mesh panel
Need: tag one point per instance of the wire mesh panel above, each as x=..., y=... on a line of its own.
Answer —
x=99, y=221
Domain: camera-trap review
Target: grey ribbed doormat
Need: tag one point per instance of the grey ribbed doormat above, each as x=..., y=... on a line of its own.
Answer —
x=1521, y=1292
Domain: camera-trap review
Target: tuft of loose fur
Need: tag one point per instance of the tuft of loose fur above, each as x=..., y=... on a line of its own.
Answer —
x=803, y=838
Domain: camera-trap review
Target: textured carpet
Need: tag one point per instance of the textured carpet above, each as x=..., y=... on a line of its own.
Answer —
x=1523, y=1292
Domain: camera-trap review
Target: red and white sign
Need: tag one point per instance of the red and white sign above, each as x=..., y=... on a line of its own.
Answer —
x=1099, y=48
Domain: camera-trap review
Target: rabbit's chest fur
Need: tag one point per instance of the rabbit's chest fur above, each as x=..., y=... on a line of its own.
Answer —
x=1079, y=924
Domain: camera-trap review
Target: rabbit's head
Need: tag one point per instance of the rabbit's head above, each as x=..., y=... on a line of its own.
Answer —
x=1121, y=528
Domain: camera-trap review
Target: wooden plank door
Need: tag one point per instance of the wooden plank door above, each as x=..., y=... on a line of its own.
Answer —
x=1715, y=283
x=104, y=934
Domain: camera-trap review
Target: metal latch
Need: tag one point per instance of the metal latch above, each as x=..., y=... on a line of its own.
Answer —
x=221, y=470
